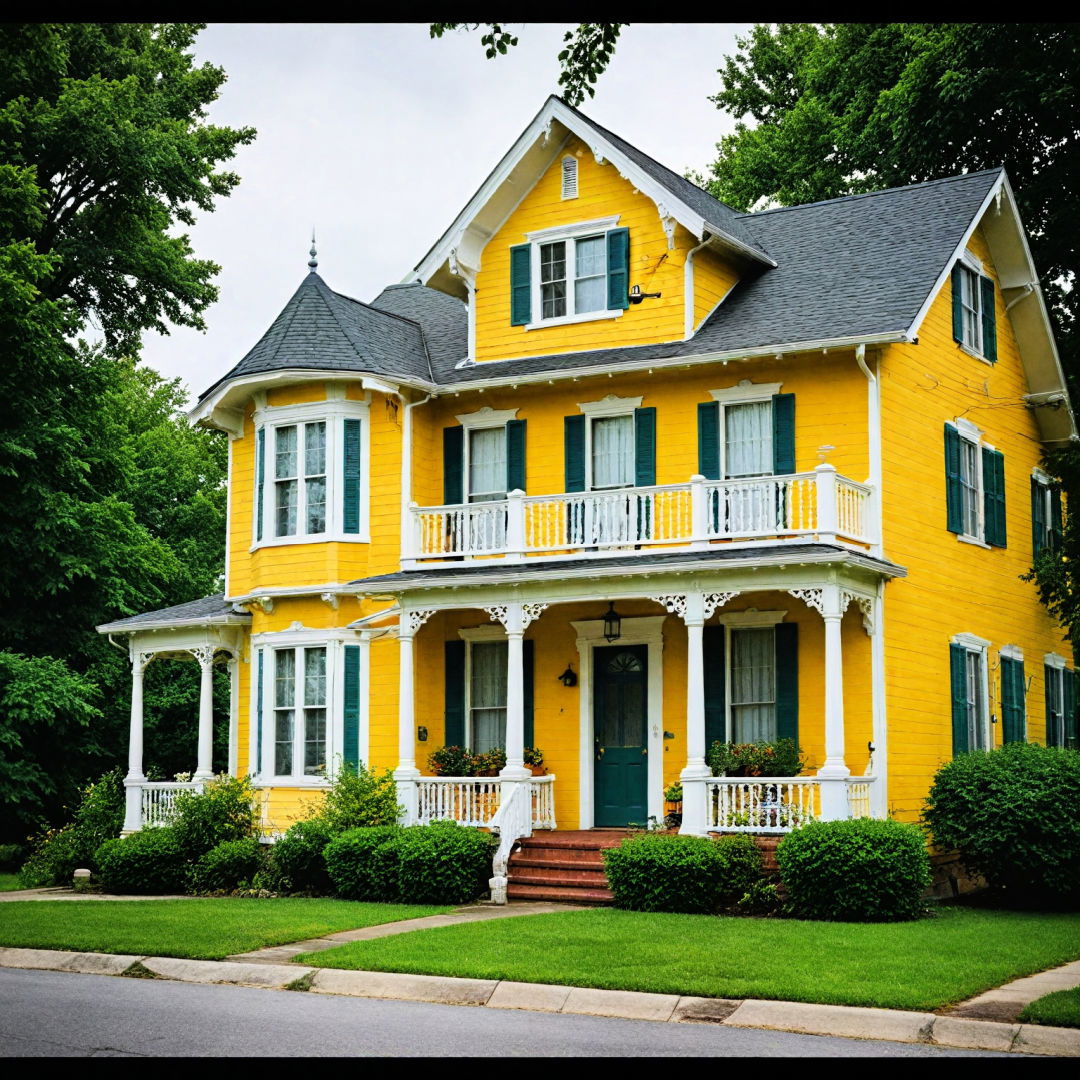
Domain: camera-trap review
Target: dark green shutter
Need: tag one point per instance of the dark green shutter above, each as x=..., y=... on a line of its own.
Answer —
x=528, y=667
x=618, y=268
x=260, y=475
x=957, y=304
x=1038, y=517
x=574, y=448
x=351, y=709
x=708, y=439
x=454, y=694
x=1056, y=522
x=351, y=516
x=257, y=767
x=1012, y=699
x=1068, y=680
x=989, y=320
x=715, y=694
x=453, y=446
x=958, y=685
x=954, y=492
x=783, y=418
x=520, y=284
x=515, y=455
x=787, y=681
x=993, y=463
x=645, y=447
x=1049, y=675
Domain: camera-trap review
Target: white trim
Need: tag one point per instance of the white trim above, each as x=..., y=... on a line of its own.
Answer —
x=972, y=262
x=981, y=647
x=879, y=790
x=567, y=232
x=1042, y=477
x=610, y=406
x=482, y=633
x=974, y=541
x=304, y=635
x=229, y=506
x=234, y=712
x=967, y=428
x=746, y=391
x=1055, y=661
x=648, y=631
x=363, y=720
x=1011, y=652
x=751, y=618
x=487, y=417
x=585, y=316
x=970, y=641
x=689, y=296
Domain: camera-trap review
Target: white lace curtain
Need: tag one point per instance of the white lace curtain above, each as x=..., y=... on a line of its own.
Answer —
x=487, y=464
x=748, y=439
x=487, y=695
x=612, y=451
x=753, y=684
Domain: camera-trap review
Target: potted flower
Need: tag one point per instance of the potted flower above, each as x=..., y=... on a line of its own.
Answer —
x=673, y=805
x=490, y=763
x=534, y=758
x=452, y=761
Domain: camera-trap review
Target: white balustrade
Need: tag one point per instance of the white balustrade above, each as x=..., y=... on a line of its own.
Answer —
x=768, y=507
x=858, y=790
x=542, y=789
x=159, y=801
x=777, y=804
x=468, y=800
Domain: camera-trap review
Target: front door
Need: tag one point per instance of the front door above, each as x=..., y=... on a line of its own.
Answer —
x=619, y=723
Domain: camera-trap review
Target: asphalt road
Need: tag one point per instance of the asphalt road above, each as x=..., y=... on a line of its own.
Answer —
x=55, y=1014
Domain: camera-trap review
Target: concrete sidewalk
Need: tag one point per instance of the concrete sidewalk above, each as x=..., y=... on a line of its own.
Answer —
x=888, y=1024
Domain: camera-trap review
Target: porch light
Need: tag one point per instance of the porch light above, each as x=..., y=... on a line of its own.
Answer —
x=612, y=623
x=636, y=295
x=568, y=677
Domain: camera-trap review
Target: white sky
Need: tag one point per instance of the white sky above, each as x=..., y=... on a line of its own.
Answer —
x=378, y=135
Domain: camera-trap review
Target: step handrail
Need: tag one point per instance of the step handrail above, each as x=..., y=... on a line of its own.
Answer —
x=512, y=821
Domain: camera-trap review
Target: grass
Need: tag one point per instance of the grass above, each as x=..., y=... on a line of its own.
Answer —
x=10, y=882
x=1060, y=1009
x=202, y=929
x=917, y=965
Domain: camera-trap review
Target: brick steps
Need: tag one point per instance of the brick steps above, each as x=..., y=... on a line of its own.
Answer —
x=558, y=895
x=565, y=867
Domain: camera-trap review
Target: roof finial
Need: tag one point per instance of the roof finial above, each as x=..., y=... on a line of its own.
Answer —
x=313, y=262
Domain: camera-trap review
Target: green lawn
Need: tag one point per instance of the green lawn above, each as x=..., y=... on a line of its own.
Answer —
x=10, y=882
x=204, y=929
x=1060, y=1009
x=916, y=965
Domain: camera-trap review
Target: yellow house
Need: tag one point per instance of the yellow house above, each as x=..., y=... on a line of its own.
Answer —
x=617, y=472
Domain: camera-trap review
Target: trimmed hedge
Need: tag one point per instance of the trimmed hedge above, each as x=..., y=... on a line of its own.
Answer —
x=148, y=861
x=357, y=866
x=1012, y=815
x=231, y=865
x=863, y=870
x=298, y=856
x=660, y=872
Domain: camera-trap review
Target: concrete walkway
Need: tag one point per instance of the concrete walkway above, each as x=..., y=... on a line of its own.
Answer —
x=64, y=893
x=282, y=954
x=1006, y=1003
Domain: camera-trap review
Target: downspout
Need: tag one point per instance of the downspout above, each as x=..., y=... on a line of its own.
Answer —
x=406, y=466
x=688, y=289
x=873, y=431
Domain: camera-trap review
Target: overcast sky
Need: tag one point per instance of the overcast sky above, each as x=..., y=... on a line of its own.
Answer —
x=378, y=135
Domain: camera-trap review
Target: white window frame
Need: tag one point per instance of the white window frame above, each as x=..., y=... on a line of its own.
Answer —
x=483, y=419
x=1010, y=652
x=973, y=267
x=607, y=407
x=334, y=412
x=980, y=648
x=745, y=393
x=1045, y=484
x=973, y=435
x=746, y=620
x=569, y=234
x=472, y=636
x=334, y=641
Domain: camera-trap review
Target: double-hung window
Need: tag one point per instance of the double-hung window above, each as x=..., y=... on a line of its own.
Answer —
x=300, y=702
x=1046, y=517
x=1060, y=690
x=487, y=696
x=974, y=486
x=753, y=684
x=487, y=464
x=310, y=472
x=969, y=690
x=973, y=299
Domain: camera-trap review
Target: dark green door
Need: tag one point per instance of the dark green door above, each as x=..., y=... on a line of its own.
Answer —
x=619, y=719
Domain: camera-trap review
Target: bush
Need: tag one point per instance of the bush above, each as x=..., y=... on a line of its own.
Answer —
x=660, y=872
x=57, y=853
x=9, y=856
x=762, y=898
x=358, y=867
x=861, y=870
x=233, y=864
x=452, y=761
x=1011, y=813
x=149, y=861
x=359, y=798
x=224, y=810
x=298, y=857
x=442, y=863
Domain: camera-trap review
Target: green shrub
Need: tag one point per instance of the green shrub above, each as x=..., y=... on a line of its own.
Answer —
x=57, y=853
x=298, y=857
x=358, y=867
x=233, y=864
x=660, y=872
x=762, y=898
x=224, y=810
x=10, y=855
x=442, y=863
x=1012, y=815
x=149, y=861
x=359, y=797
x=861, y=870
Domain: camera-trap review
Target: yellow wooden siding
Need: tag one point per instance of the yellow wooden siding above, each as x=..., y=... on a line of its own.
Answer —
x=953, y=587
x=602, y=193
x=714, y=278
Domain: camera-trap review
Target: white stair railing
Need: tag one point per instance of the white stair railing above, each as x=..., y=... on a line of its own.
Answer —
x=542, y=789
x=512, y=821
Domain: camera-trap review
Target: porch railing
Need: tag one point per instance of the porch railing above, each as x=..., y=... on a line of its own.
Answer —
x=159, y=801
x=695, y=513
x=475, y=800
x=778, y=804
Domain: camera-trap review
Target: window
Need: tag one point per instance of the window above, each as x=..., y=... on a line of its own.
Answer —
x=612, y=457
x=310, y=472
x=1046, y=516
x=970, y=711
x=753, y=684
x=747, y=446
x=1013, y=695
x=300, y=711
x=570, y=274
x=1060, y=689
x=487, y=695
x=487, y=464
x=974, y=486
x=973, y=299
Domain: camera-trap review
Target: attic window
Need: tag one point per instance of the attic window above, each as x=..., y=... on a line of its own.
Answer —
x=569, y=178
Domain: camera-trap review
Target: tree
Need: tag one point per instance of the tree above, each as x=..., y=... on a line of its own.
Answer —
x=109, y=503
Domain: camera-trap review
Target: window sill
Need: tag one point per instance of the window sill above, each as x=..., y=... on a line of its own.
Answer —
x=974, y=355
x=568, y=320
x=322, y=538
x=973, y=540
x=292, y=782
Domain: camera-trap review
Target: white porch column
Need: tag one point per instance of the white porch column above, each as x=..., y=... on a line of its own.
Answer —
x=407, y=774
x=234, y=712
x=693, y=776
x=204, y=769
x=834, y=802
x=515, y=618
x=135, y=776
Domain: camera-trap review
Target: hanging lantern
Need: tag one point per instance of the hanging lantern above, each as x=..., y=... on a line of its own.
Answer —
x=612, y=623
x=568, y=677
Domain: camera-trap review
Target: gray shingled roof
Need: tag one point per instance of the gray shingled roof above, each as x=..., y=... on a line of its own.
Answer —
x=211, y=608
x=443, y=318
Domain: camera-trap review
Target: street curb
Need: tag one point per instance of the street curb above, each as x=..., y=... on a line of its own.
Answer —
x=889, y=1025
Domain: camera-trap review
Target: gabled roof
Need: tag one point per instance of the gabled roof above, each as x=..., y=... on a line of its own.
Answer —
x=210, y=610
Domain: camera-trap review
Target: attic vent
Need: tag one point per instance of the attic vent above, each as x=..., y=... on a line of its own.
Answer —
x=569, y=178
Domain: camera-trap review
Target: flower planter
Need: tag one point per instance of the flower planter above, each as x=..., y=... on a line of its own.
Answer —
x=538, y=770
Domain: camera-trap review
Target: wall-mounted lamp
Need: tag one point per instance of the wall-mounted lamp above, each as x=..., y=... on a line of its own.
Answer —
x=568, y=677
x=421, y=734
x=612, y=623
x=636, y=295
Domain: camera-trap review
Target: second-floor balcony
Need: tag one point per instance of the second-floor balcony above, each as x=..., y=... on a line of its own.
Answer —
x=819, y=505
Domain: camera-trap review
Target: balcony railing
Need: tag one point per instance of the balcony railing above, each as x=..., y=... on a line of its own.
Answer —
x=818, y=504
